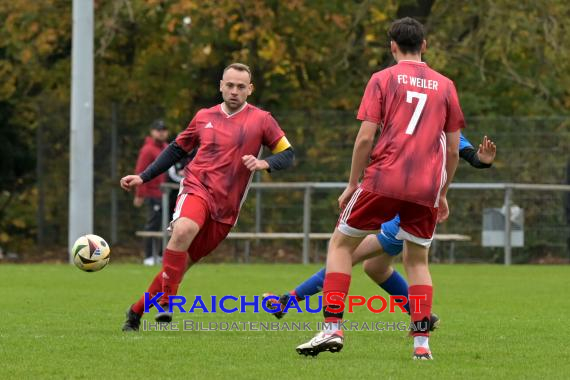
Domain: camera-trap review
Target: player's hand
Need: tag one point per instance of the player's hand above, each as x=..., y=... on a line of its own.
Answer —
x=130, y=182
x=442, y=210
x=254, y=164
x=138, y=201
x=346, y=195
x=487, y=151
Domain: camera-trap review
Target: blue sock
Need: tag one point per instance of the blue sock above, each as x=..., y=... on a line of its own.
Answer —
x=396, y=285
x=311, y=286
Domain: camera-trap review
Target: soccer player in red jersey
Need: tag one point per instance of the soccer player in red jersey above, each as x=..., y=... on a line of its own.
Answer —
x=229, y=138
x=407, y=173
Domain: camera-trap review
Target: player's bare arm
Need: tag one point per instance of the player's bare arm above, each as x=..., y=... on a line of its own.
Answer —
x=362, y=148
x=452, y=154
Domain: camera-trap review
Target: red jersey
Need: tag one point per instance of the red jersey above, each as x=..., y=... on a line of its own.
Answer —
x=217, y=173
x=416, y=106
x=148, y=153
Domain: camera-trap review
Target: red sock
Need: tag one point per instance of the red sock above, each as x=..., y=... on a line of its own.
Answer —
x=421, y=317
x=334, y=282
x=155, y=287
x=174, y=265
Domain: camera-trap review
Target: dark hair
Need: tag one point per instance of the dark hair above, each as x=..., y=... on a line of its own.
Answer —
x=408, y=33
x=239, y=67
x=158, y=125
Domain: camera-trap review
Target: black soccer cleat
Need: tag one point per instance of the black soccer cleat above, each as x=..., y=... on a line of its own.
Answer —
x=433, y=322
x=133, y=321
x=163, y=316
x=270, y=304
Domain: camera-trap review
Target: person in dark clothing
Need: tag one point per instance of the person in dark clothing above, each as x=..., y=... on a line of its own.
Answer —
x=150, y=193
x=176, y=175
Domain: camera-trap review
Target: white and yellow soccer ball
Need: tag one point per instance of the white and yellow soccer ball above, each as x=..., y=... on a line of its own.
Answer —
x=91, y=253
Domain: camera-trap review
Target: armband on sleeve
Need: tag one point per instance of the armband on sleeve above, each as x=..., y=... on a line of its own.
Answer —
x=281, y=145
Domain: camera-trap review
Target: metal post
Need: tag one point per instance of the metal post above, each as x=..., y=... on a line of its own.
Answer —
x=81, y=129
x=246, y=251
x=114, y=179
x=306, y=224
x=40, y=182
x=508, y=227
x=452, y=252
x=165, y=217
x=258, y=205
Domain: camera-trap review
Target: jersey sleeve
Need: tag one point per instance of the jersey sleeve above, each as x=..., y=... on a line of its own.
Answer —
x=455, y=120
x=464, y=143
x=272, y=132
x=189, y=139
x=371, y=104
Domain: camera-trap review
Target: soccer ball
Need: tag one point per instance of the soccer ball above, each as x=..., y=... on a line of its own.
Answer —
x=91, y=253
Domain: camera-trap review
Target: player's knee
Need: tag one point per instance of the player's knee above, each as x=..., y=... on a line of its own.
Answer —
x=183, y=232
x=378, y=273
x=368, y=268
x=415, y=260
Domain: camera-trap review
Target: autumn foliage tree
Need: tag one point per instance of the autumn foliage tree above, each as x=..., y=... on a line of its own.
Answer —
x=311, y=60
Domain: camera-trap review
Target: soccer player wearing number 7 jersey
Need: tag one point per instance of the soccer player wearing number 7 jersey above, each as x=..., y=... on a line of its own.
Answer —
x=408, y=173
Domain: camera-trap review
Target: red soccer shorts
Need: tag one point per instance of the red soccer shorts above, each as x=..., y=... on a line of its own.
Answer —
x=366, y=211
x=211, y=233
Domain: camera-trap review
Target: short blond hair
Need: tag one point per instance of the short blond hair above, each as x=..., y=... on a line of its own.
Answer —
x=239, y=67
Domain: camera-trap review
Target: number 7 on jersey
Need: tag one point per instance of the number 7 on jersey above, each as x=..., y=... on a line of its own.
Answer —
x=417, y=112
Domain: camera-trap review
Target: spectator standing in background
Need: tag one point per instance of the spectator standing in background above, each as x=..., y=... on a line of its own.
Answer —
x=149, y=193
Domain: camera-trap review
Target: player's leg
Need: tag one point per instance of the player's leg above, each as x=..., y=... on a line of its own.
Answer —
x=211, y=234
x=369, y=247
x=416, y=265
x=417, y=227
x=380, y=269
x=363, y=215
x=337, y=283
x=314, y=284
x=372, y=245
x=189, y=215
x=175, y=263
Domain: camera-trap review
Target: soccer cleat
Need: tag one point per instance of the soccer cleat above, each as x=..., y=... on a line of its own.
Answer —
x=421, y=353
x=433, y=322
x=270, y=304
x=163, y=316
x=322, y=342
x=133, y=321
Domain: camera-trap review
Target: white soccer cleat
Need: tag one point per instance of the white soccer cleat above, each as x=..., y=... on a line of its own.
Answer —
x=322, y=342
x=421, y=353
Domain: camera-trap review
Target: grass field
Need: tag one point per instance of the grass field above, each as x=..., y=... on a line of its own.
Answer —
x=497, y=322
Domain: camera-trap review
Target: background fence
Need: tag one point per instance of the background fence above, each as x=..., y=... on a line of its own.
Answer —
x=530, y=150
